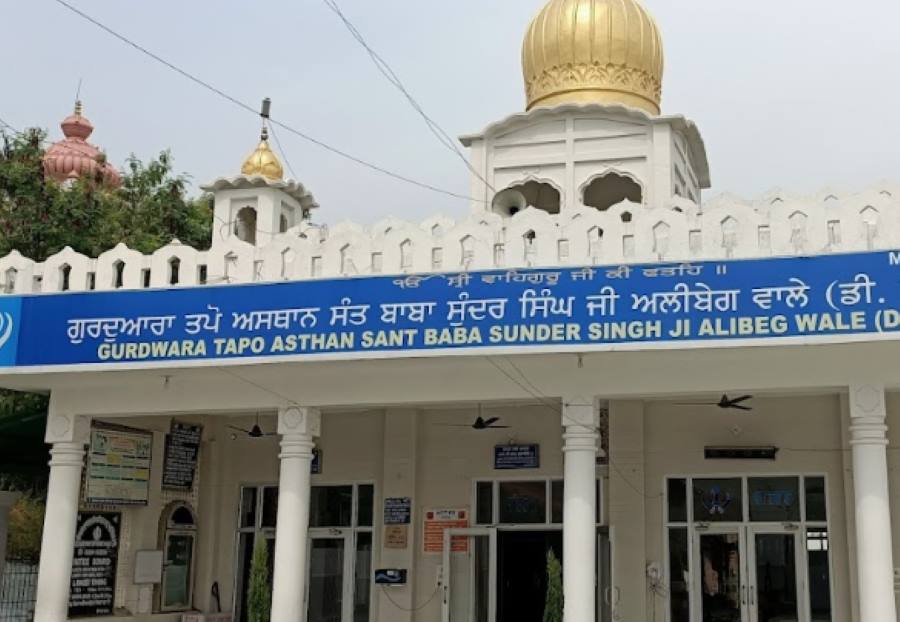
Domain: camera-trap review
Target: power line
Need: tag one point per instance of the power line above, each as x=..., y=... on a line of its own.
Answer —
x=284, y=155
x=387, y=71
x=550, y=405
x=208, y=86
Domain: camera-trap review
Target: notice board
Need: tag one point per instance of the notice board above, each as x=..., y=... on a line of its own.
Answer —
x=182, y=453
x=437, y=522
x=118, y=471
x=96, y=556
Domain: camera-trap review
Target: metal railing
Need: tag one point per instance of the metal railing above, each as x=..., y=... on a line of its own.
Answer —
x=18, y=590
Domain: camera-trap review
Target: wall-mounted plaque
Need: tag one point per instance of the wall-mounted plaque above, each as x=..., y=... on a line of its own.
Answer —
x=182, y=452
x=93, y=586
x=118, y=471
x=397, y=511
x=513, y=457
x=396, y=536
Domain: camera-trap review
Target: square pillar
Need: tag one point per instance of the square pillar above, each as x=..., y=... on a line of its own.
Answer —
x=67, y=434
x=627, y=509
x=297, y=427
x=581, y=422
x=875, y=565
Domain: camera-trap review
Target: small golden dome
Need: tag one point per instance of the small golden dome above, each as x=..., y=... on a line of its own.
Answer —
x=588, y=51
x=263, y=161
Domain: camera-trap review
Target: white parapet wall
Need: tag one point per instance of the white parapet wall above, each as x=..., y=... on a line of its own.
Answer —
x=725, y=228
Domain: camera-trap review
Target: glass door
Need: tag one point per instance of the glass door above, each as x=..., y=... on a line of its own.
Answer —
x=607, y=593
x=721, y=591
x=469, y=575
x=328, y=588
x=773, y=575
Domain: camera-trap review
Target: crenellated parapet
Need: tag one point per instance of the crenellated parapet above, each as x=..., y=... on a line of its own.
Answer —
x=778, y=224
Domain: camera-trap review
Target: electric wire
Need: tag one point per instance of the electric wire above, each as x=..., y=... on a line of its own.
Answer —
x=259, y=386
x=413, y=609
x=549, y=403
x=388, y=72
x=284, y=155
x=240, y=104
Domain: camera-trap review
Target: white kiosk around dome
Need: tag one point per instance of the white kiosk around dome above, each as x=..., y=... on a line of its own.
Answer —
x=692, y=403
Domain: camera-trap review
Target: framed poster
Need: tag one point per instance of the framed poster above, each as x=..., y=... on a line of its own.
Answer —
x=118, y=469
x=439, y=520
x=182, y=452
x=93, y=585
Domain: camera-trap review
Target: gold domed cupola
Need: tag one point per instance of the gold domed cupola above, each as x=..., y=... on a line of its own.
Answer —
x=593, y=51
x=263, y=160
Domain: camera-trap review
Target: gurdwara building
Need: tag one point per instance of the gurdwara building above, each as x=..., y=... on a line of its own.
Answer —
x=691, y=404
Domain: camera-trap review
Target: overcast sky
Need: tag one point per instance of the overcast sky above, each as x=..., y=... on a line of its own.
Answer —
x=798, y=94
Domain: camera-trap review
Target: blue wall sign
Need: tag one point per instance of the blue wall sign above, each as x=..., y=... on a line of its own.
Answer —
x=513, y=457
x=550, y=309
x=397, y=511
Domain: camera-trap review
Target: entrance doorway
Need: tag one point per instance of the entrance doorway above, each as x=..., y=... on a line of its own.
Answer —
x=522, y=573
x=493, y=574
x=748, y=574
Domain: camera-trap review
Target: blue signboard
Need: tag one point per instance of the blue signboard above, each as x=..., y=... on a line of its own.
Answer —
x=527, y=310
x=514, y=457
x=397, y=511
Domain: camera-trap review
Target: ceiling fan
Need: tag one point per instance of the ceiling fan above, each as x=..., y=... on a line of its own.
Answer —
x=725, y=403
x=480, y=423
x=254, y=432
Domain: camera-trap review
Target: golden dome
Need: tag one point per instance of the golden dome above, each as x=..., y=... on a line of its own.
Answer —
x=263, y=161
x=593, y=51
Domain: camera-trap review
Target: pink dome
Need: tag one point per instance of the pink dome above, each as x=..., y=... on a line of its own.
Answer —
x=74, y=157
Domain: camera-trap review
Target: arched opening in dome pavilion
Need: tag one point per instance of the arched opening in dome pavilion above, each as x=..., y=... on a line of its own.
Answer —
x=611, y=189
x=245, y=225
x=537, y=194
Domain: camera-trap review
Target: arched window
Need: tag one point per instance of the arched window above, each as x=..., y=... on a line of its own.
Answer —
x=611, y=189
x=540, y=195
x=245, y=225
x=9, y=286
x=118, y=274
x=65, y=273
x=178, y=528
x=174, y=271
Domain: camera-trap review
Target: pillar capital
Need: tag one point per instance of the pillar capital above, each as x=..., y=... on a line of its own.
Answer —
x=579, y=411
x=867, y=400
x=868, y=415
x=66, y=427
x=299, y=421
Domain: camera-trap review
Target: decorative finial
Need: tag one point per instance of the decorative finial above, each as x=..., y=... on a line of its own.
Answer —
x=264, y=113
x=78, y=108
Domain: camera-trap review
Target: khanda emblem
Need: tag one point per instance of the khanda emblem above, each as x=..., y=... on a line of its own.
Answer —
x=716, y=501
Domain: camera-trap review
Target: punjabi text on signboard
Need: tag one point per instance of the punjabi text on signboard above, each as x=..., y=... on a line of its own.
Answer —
x=824, y=296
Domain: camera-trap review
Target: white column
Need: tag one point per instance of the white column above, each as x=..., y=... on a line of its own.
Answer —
x=875, y=564
x=580, y=420
x=68, y=435
x=297, y=427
